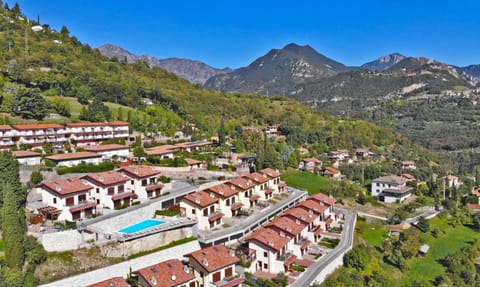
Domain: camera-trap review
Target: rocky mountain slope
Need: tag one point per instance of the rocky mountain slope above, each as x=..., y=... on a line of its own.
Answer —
x=194, y=71
x=383, y=63
x=278, y=71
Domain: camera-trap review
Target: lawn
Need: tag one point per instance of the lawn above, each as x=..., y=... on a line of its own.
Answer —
x=449, y=241
x=306, y=180
x=372, y=233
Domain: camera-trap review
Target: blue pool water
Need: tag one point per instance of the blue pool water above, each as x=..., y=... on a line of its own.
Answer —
x=141, y=226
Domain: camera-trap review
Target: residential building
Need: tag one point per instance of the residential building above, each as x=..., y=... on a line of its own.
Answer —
x=75, y=158
x=364, y=153
x=339, y=155
x=293, y=229
x=109, y=189
x=305, y=217
x=36, y=135
x=391, y=188
x=404, y=165
x=110, y=151
x=193, y=146
x=332, y=173
x=6, y=137
x=162, y=151
x=26, y=157
x=170, y=273
x=93, y=133
x=67, y=199
x=144, y=181
x=202, y=207
x=245, y=188
x=270, y=251
x=112, y=282
x=228, y=203
x=196, y=164
x=452, y=181
x=214, y=266
x=325, y=200
x=261, y=188
x=310, y=164
x=274, y=179
x=319, y=212
x=476, y=192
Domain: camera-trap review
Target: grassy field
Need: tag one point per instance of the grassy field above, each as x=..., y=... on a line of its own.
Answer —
x=449, y=241
x=306, y=180
x=372, y=233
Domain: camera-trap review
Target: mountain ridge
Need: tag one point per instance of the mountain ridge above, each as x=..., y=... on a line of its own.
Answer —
x=194, y=71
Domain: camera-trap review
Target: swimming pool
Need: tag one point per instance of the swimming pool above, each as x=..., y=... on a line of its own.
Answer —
x=146, y=224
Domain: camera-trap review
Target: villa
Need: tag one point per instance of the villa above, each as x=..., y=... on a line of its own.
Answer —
x=391, y=188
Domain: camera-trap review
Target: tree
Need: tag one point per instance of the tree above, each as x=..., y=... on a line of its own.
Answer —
x=29, y=104
x=13, y=227
x=64, y=31
x=36, y=177
x=60, y=105
x=357, y=257
x=96, y=111
x=423, y=224
x=16, y=9
x=7, y=102
x=221, y=132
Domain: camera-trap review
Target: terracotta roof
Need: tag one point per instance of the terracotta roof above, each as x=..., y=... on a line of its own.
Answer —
x=201, y=198
x=271, y=172
x=403, y=189
x=106, y=178
x=311, y=159
x=73, y=156
x=287, y=225
x=155, y=187
x=320, y=197
x=106, y=147
x=166, y=274
x=473, y=206
x=214, y=257
x=300, y=214
x=223, y=190
x=37, y=127
x=233, y=283
x=25, y=153
x=66, y=186
x=476, y=191
x=452, y=177
x=254, y=197
x=313, y=206
x=162, y=149
x=139, y=171
x=257, y=177
x=290, y=261
x=242, y=183
x=191, y=161
x=391, y=179
x=236, y=206
x=193, y=144
x=408, y=176
x=124, y=195
x=83, y=206
x=112, y=282
x=270, y=190
x=331, y=170
x=269, y=238
x=215, y=217
x=305, y=245
x=117, y=123
x=5, y=128
x=88, y=124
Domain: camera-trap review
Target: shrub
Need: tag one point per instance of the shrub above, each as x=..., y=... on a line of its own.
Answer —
x=87, y=167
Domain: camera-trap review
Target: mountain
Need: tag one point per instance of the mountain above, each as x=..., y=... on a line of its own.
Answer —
x=278, y=71
x=428, y=101
x=383, y=63
x=194, y=71
x=472, y=72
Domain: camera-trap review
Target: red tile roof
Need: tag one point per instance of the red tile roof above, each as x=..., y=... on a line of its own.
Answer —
x=155, y=187
x=112, y=282
x=117, y=123
x=166, y=274
x=66, y=186
x=269, y=238
x=287, y=225
x=191, y=161
x=73, y=156
x=271, y=172
x=300, y=214
x=201, y=198
x=223, y=190
x=107, y=147
x=124, y=195
x=476, y=191
x=242, y=183
x=97, y=124
x=323, y=198
x=215, y=217
x=25, y=153
x=236, y=206
x=313, y=206
x=162, y=149
x=312, y=159
x=106, y=178
x=214, y=257
x=37, y=127
x=257, y=177
x=5, y=128
x=83, y=206
x=139, y=171
x=331, y=170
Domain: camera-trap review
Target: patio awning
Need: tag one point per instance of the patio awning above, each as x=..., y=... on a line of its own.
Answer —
x=305, y=245
x=123, y=195
x=84, y=206
x=236, y=206
x=154, y=187
x=215, y=217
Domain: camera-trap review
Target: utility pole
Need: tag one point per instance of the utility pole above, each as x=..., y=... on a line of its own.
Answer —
x=444, y=188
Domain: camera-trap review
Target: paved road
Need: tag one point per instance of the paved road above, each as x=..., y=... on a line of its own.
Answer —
x=346, y=243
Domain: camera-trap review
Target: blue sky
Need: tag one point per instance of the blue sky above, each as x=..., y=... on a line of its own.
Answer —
x=233, y=33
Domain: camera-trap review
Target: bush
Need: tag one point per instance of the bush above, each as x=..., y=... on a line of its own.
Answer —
x=87, y=167
x=164, y=179
x=36, y=177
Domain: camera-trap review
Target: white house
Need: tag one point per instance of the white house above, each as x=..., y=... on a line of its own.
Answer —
x=26, y=157
x=202, y=207
x=391, y=188
x=109, y=188
x=75, y=158
x=262, y=189
x=214, y=266
x=228, y=202
x=296, y=230
x=6, y=137
x=110, y=151
x=245, y=190
x=38, y=134
x=67, y=199
x=404, y=165
x=309, y=164
x=453, y=181
x=170, y=273
x=162, y=151
x=274, y=179
x=144, y=181
x=332, y=173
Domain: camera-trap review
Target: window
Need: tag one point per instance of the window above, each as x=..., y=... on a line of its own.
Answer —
x=121, y=188
x=212, y=209
x=82, y=197
x=205, y=212
x=193, y=210
x=144, y=182
x=233, y=200
x=98, y=190
x=131, y=181
x=265, y=266
x=54, y=200
x=192, y=284
x=216, y=276
x=69, y=201
x=265, y=254
x=111, y=190
x=227, y=202
x=229, y=272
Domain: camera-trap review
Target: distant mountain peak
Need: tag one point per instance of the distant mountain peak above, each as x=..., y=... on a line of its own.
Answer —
x=384, y=62
x=191, y=70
